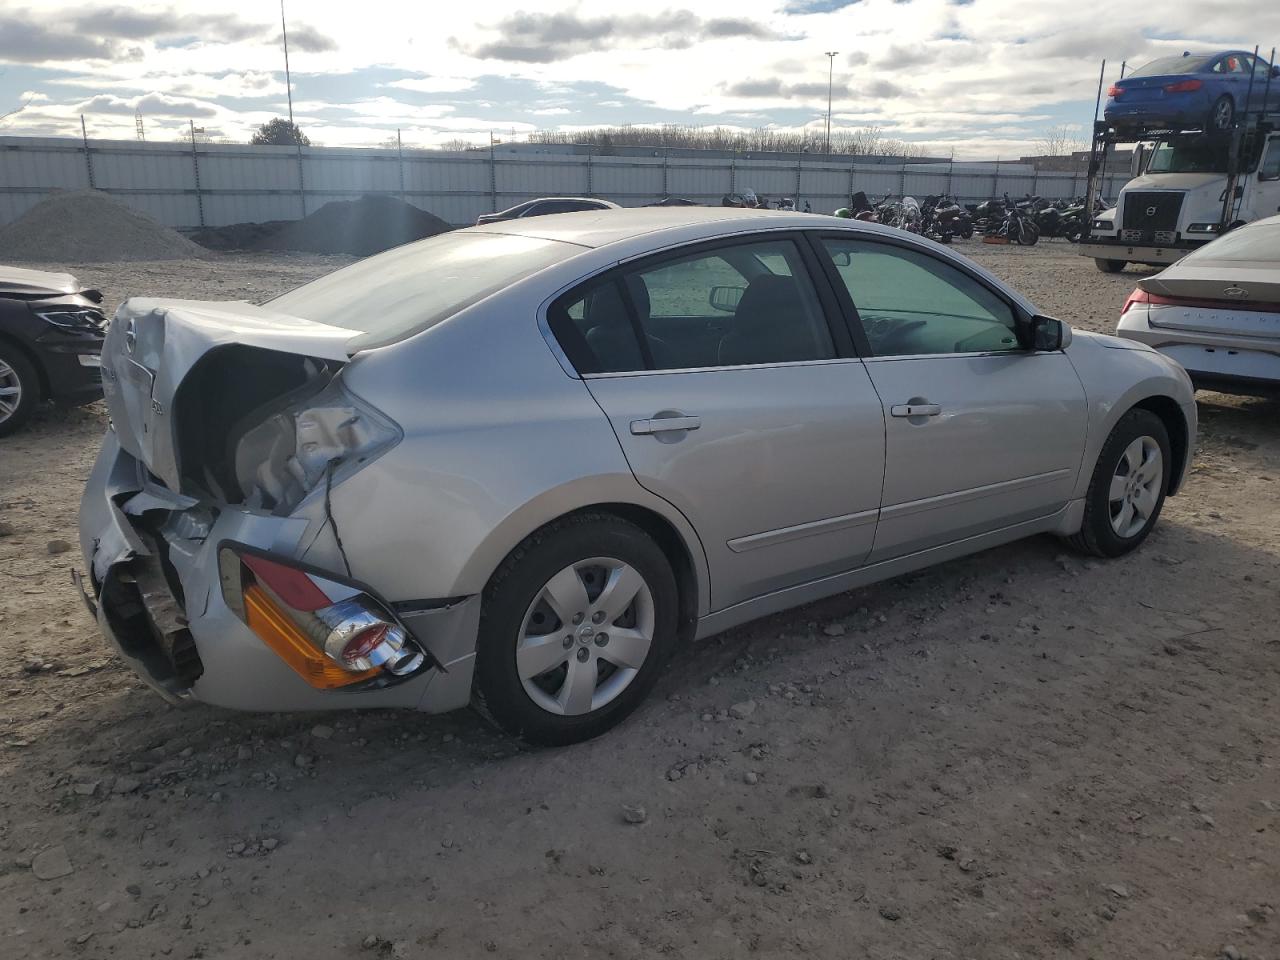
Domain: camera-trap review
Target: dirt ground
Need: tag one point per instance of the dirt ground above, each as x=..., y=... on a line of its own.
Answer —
x=1022, y=754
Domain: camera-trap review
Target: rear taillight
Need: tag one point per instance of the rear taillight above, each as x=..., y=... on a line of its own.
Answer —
x=332, y=634
x=1184, y=86
x=1114, y=91
x=1138, y=296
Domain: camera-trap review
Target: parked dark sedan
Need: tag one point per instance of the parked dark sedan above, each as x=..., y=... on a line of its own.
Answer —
x=545, y=205
x=51, y=331
x=1193, y=92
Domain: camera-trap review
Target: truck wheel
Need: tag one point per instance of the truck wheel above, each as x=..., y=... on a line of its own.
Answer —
x=1110, y=266
x=1223, y=114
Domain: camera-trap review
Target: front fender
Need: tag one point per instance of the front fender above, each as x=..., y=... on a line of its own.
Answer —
x=1118, y=375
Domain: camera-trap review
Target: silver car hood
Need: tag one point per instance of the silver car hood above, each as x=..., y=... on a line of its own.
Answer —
x=151, y=345
x=36, y=282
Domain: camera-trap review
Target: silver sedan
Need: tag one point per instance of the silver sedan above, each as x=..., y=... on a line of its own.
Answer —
x=517, y=465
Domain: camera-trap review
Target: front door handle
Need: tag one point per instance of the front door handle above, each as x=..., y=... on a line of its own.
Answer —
x=664, y=425
x=915, y=410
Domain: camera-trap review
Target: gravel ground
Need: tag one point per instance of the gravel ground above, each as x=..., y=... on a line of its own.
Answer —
x=1016, y=755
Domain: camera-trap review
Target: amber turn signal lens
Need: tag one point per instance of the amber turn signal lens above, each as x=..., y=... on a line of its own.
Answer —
x=277, y=631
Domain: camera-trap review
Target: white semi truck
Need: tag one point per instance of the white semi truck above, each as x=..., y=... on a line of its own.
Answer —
x=1189, y=187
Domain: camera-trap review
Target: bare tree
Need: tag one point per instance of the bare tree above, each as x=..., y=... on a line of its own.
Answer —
x=762, y=140
x=1060, y=141
x=457, y=145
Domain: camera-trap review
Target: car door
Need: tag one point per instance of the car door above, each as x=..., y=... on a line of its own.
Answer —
x=980, y=433
x=753, y=418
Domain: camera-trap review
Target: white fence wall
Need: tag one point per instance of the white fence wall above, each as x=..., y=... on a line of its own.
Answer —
x=218, y=184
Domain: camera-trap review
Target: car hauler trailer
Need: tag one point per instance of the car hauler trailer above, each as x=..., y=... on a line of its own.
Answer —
x=1189, y=188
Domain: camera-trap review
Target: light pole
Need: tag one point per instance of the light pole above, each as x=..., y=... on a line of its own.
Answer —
x=831, y=61
x=288, y=84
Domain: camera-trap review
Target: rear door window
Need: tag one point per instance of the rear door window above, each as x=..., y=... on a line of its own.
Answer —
x=731, y=305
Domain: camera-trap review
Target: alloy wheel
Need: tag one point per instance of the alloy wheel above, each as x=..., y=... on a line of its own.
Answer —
x=585, y=636
x=1223, y=114
x=10, y=391
x=1135, y=486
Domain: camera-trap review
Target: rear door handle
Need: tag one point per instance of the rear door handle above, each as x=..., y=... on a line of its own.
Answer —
x=915, y=410
x=665, y=425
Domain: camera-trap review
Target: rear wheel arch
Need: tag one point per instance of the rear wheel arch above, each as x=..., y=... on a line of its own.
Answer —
x=669, y=539
x=1175, y=423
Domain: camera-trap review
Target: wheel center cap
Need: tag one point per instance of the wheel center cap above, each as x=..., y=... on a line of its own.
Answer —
x=585, y=633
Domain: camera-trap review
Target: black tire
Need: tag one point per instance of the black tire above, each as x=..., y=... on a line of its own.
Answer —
x=1110, y=266
x=23, y=374
x=1029, y=234
x=966, y=230
x=1097, y=536
x=1073, y=232
x=1222, y=115
x=498, y=693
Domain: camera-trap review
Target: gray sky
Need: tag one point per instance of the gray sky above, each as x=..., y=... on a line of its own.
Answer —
x=982, y=77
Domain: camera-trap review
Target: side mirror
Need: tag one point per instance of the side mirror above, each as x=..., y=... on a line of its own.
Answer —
x=1048, y=334
x=725, y=298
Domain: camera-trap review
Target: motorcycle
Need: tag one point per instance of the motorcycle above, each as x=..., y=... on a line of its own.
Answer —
x=944, y=219
x=1016, y=226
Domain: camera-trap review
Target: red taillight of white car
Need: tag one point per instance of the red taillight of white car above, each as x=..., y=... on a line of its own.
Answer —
x=332, y=634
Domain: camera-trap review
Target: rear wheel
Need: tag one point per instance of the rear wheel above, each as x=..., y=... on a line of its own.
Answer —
x=575, y=627
x=1223, y=114
x=19, y=388
x=1028, y=233
x=1127, y=490
x=1110, y=266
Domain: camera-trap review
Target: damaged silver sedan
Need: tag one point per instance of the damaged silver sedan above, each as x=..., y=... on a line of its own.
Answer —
x=515, y=465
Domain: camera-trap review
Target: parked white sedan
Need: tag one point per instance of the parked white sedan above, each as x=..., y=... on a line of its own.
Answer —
x=516, y=465
x=1217, y=311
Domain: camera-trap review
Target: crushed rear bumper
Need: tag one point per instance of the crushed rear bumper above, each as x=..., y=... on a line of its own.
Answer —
x=153, y=585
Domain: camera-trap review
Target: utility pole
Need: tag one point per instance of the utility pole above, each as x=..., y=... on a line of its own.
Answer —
x=831, y=62
x=288, y=83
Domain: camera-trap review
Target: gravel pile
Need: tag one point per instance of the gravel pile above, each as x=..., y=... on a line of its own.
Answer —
x=87, y=226
x=359, y=227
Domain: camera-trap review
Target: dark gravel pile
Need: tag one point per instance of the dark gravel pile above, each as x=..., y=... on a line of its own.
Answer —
x=358, y=227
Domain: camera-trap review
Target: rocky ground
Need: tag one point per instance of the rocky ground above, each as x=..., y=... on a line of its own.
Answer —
x=1022, y=754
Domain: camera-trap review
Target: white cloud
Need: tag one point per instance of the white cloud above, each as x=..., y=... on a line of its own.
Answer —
x=433, y=84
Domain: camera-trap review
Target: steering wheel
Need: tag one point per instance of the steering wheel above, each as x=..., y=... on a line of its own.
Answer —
x=893, y=340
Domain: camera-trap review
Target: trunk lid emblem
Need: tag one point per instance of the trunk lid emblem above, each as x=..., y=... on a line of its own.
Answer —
x=1238, y=293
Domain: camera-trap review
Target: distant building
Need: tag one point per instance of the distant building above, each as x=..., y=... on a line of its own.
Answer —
x=1076, y=162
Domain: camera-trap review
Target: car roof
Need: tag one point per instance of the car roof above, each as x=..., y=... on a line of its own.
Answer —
x=600, y=228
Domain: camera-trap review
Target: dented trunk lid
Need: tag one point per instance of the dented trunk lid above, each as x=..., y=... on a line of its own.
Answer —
x=152, y=345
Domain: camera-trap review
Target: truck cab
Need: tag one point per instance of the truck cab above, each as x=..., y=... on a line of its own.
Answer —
x=1178, y=199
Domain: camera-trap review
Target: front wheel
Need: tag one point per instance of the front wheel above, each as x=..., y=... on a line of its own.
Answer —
x=575, y=627
x=1028, y=234
x=1110, y=266
x=19, y=389
x=1127, y=490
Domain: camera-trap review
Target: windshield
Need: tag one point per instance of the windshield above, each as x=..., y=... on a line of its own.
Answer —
x=1166, y=66
x=1188, y=158
x=407, y=289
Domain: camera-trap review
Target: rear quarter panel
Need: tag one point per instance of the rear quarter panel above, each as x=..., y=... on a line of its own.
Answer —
x=498, y=441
